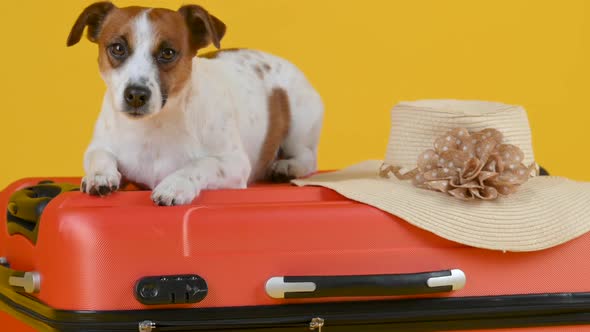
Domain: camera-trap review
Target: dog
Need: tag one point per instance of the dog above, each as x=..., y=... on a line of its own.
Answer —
x=179, y=122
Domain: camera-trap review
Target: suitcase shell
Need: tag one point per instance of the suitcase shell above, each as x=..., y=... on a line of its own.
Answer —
x=92, y=254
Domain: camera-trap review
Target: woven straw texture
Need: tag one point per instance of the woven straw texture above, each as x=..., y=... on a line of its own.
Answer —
x=544, y=212
x=415, y=126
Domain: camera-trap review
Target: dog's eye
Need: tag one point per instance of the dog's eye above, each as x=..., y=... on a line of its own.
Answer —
x=118, y=50
x=167, y=55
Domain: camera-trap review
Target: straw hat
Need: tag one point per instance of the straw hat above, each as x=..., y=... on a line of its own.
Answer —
x=466, y=171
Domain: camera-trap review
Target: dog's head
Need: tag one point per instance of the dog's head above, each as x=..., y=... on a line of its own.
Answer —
x=145, y=54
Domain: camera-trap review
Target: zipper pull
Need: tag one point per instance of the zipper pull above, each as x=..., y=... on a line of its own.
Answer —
x=316, y=324
x=147, y=326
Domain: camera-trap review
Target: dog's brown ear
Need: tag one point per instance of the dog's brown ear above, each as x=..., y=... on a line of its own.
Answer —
x=204, y=28
x=93, y=17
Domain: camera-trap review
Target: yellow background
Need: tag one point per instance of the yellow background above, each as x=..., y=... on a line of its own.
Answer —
x=363, y=57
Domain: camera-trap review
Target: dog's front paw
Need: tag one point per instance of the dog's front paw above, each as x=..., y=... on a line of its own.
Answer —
x=174, y=190
x=285, y=170
x=100, y=184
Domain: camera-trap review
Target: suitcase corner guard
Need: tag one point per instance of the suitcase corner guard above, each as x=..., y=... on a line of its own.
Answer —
x=25, y=207
x=286, y=287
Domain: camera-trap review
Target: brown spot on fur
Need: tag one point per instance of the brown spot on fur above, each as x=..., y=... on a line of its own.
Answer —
x=216, y=53
x=279, y=119
x=220, y=172
x=266, y=67
x=172, y=33
x=259, y=72
x=204, y=28
x=92, y=17
x=117, y=27
x=106, y=23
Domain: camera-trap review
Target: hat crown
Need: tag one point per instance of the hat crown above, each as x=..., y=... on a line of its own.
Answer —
x=417, y=124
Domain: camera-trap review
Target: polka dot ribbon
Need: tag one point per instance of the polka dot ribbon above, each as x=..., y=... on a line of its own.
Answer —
x=468, y=166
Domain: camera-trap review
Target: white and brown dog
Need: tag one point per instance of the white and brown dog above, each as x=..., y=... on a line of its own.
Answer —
x=180, y=123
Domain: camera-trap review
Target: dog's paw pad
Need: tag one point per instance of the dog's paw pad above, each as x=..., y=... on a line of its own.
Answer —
x=174, y=190
x=278, y=177
x=285, y=170
x=99, y=184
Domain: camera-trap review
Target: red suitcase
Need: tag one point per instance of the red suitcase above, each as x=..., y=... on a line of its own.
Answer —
x=270, y=257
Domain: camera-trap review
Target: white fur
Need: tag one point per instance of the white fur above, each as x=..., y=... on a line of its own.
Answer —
x=207, y=137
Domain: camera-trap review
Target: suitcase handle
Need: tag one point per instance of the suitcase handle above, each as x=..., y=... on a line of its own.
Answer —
x=365, y=285
x=25, y=207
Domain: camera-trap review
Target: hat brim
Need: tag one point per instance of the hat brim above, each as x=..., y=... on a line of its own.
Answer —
x=545, y=212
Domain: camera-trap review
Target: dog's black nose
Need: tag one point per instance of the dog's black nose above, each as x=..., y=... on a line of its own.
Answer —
x=137, y=96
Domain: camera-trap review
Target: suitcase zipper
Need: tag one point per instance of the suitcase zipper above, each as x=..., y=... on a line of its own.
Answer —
x=315, y=324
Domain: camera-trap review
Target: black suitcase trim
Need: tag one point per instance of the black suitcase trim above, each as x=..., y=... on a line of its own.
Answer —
x=426, y=314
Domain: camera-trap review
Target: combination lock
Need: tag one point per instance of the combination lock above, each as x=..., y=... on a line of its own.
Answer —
x=173, y=289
